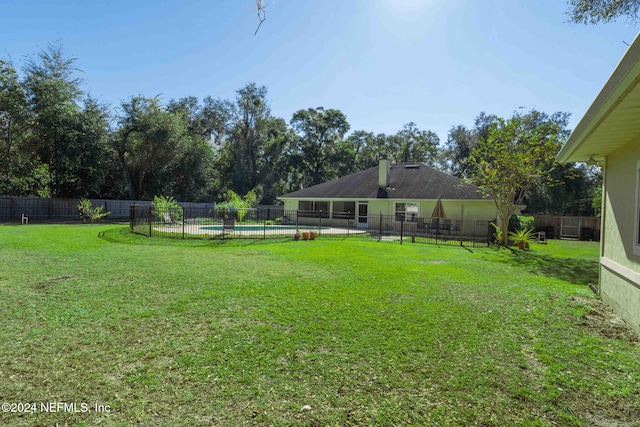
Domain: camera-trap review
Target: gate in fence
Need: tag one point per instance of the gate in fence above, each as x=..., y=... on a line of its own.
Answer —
x=570, y=228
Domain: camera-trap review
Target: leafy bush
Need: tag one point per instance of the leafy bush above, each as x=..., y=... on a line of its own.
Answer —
x=87, y=211
x=521, y=222
x=164, y=205
x=497, y=236
x=237, y=203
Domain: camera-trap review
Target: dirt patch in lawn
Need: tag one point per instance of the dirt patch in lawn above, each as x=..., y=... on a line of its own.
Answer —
x=47, y=283
x=601, y=318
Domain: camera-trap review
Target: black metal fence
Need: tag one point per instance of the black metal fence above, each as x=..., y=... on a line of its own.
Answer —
x=274, y=222
x=256, y=223
x=439, y=231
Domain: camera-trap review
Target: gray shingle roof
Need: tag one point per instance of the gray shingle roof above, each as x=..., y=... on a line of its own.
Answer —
x=406, y=181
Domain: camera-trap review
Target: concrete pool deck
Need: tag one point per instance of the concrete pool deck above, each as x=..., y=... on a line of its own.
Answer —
x=270, y=230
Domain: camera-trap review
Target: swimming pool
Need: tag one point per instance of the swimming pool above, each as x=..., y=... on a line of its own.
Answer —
x=253, y=227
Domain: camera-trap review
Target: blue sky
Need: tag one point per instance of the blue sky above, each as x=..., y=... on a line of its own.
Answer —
x=383, y=63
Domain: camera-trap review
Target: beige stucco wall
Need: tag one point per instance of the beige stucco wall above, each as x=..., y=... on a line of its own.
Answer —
x=622, y=295
x=290, y=204
x=619, y=279
x=473, y=209
x=620, y=205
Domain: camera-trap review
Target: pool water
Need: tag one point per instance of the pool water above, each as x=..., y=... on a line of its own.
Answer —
x=252, y=227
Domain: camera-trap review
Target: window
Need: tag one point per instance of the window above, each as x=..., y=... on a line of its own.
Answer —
x=406, y=211
x=312, y=209
x=305, y=206
x=321, y=209
x=344, y=210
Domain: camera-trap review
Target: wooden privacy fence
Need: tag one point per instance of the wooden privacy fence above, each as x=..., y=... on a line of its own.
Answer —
x=44, y=209
x=569, y=227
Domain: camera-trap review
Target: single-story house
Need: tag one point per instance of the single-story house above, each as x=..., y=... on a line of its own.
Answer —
x=609, y=134
x=411, y=192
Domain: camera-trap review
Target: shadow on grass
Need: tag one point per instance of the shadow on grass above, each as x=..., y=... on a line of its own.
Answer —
x=578, y=271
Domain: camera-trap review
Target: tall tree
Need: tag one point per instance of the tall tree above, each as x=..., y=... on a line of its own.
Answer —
x=250, y=142
x=209, y=120
x=91, y=139
x=53, y=92
x=274, y=164
x=455, y=155
x=570, y=190
x=149, y=144
x=17, y=165
x=414, y=145
x=460, y=143
x=319, y=133
x=358, y=152
x=596, y=11
x=517, y=155
x=248, y=136
x=192, y=173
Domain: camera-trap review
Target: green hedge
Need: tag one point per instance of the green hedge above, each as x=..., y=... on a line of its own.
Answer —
x=521, y=222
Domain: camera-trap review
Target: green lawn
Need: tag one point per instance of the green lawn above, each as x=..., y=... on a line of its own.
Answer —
x=171, y=332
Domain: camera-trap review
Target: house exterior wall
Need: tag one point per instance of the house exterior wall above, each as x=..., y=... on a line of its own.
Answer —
x=620, y=267
x=473, y=209
x=290, y=204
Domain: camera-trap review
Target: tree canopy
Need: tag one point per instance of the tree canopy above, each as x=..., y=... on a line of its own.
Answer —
x=57, y=141
x=517, y=155
x=597, y=11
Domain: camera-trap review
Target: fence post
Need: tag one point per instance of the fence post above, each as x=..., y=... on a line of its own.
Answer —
x=489, y=233
x=380, y=226
x=320, y=223
x=150, y=218
x=461, y=223
x=264, y=228
x=401, y=230
x=183, y=222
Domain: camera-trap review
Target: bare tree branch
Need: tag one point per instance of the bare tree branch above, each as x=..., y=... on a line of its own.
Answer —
x=261, y=14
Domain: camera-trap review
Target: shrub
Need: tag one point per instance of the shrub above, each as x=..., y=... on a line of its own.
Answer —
x=87, y=211
x=521, y=222
x=240, y=204
x=164, y=206
x=497, y=236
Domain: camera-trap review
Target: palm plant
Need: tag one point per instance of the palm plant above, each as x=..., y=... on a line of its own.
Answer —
x=522, y=237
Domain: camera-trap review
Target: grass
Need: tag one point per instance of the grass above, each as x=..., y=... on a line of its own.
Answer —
x=171, y=333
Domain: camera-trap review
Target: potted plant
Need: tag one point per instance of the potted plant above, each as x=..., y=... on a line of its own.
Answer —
x=296, y=236
x=305, y=235
x=522, y=238
x=312, y=235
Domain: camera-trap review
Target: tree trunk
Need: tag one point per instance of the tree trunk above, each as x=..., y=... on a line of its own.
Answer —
x=504, y=226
